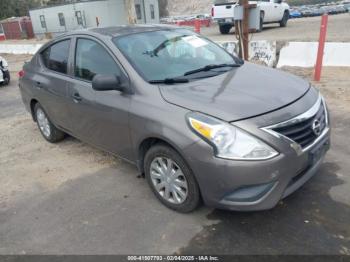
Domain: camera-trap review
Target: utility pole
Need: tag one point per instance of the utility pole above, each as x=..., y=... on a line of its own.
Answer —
x=131, y=12
x=245, y=26
x=242, y=29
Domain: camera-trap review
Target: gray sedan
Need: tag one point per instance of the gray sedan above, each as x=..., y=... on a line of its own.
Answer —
x=199, y=123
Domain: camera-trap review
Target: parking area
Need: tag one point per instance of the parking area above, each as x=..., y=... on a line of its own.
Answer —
x=301, y=29
x=70, y=198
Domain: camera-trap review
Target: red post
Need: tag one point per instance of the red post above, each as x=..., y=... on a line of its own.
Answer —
x=197, y=26
x=321, y=44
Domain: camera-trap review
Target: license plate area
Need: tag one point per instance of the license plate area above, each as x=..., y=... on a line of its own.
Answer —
x=318, y=152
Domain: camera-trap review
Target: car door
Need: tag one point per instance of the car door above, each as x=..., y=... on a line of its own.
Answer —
x=51, y=81
x=98, y=117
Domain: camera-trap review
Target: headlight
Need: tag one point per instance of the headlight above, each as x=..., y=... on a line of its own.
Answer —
x=229, y=142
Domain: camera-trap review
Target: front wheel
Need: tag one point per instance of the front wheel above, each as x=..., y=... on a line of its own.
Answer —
x=283, y=22
x=171, y=179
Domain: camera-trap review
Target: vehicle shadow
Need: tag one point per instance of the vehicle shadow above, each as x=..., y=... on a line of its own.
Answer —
x=307, y=222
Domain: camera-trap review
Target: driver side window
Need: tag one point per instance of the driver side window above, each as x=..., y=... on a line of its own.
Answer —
x=91, y=59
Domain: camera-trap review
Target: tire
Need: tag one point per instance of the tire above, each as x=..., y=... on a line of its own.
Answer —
x=225, y=29
x=261, y=23
x=47, y=129
x=7, y=78
x=284, y=21
x=179, y=173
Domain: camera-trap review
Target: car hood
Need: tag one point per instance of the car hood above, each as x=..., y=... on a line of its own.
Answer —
x=241, y=93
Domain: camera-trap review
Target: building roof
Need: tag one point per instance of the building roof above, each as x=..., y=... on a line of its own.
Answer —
x=64, y=4
x=15, y=19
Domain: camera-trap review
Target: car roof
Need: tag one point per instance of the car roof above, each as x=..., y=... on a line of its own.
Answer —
x=115, y=31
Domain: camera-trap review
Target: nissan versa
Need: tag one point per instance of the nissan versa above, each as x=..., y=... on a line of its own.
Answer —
x=200, y=124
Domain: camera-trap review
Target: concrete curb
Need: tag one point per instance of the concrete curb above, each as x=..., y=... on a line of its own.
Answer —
x=300, y=54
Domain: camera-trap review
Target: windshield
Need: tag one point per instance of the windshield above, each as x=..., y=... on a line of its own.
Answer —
x=168, y=54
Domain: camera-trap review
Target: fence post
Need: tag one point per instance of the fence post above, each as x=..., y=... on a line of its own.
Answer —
x=321, y=44
x=197, y=26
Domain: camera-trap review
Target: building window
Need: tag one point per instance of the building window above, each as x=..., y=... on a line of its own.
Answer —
x=138, y=11
x=79, y=18
x=42, y=21
x=152, y=12
x=61, y=19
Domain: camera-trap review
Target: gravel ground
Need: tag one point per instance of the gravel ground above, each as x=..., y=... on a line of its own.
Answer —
x=302, y=29
x=71, y=198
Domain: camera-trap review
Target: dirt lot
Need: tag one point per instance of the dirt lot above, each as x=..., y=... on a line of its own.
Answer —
x=302, y=29
x=70, y=198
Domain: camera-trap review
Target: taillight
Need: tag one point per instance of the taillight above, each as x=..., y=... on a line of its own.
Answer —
x=212, y=12
x=21, y=74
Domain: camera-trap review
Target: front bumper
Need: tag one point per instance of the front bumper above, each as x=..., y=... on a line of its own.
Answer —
x=252, y=185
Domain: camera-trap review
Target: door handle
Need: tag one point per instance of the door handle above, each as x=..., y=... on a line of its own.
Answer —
x=38, y=85
x=77, y=98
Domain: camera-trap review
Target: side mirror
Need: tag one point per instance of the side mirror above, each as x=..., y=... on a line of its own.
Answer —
x=107, y=83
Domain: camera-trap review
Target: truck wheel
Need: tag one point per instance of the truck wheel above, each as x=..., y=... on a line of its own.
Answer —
x=261, y=24
x=283, y=22
x=7, y=78
x=225, y=29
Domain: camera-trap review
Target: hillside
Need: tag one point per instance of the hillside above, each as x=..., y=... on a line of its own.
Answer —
x=186, y=7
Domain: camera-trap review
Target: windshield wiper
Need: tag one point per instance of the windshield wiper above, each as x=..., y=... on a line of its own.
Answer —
x=210, y=67
x=169, y=81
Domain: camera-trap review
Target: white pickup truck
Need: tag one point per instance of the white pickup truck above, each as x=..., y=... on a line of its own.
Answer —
x=271, y=11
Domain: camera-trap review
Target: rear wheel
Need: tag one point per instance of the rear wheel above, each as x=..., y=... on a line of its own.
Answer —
x=225, y=29
x=261, y=22
x=47, y=129
x=7, y=77
x=284, y=21
x=170, y=179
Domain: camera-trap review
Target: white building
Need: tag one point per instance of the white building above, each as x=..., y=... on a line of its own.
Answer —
x=98, y=13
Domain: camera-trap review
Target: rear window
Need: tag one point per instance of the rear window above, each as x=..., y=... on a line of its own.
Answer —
x=56, y=56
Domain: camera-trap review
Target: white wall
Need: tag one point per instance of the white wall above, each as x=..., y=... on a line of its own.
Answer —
x=109, y=13
x=146, y=11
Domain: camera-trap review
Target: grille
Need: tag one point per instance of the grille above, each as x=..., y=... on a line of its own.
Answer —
x=306, y=131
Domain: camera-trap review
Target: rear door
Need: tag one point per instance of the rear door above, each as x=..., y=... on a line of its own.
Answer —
x=51, y=82
x=98, y=117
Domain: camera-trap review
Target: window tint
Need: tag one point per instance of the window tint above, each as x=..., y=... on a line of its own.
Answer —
x=79, y=17
x=61, y=19
x=138, y=11
x=42, y=21
x=91, y=58
x=152, y=12
x=56, y=56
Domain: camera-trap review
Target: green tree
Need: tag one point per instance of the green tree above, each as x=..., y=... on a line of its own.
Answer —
x=16, y=7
